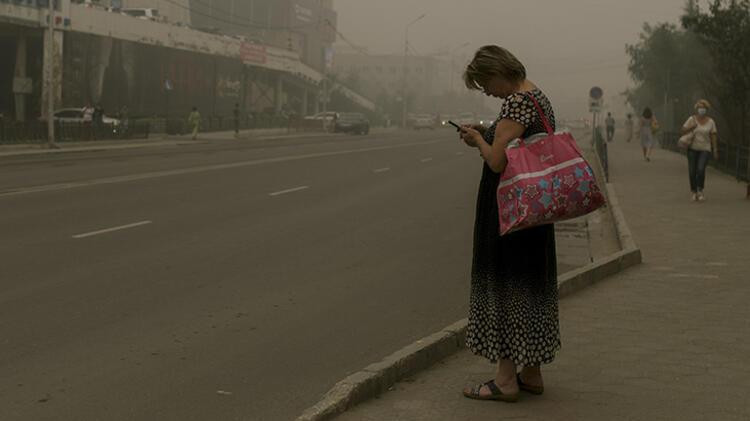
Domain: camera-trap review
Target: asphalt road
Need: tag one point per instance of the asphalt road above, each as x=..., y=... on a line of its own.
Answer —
x=265, y=269
x=225, y=280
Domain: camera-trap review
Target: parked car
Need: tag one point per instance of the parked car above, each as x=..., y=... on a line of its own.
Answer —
x=75, y=115
x=355, y=123
x=326, y=115
x=424, y=121
x=323, y=119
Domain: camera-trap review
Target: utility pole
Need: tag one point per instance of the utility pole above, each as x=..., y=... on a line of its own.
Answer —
x=453, y=62
x=404, y=82
x=50, y=76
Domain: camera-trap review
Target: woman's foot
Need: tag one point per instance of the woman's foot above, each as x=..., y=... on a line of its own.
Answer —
x=701, y=197
x=695, y=197
x=531, y=382
x=493, y=391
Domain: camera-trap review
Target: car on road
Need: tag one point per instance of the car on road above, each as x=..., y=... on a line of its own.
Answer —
x=324, y=115
x=466, y=119
x=324, y=119
x=355, y=123
x=445, y=118
x=75, y=115
x=423, y=121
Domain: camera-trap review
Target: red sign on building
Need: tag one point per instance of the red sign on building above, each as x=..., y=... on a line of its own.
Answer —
x=253, y=53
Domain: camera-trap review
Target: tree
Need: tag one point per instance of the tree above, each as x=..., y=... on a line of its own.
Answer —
x=667, y=65
x=725, y=32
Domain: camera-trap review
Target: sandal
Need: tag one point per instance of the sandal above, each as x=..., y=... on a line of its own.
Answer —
x=496, y=393
x=534, y=390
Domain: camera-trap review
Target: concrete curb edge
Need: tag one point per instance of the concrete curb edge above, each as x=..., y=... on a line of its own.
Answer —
x=378, y=378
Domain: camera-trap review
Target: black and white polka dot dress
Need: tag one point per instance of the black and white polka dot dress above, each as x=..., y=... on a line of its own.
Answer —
x=513, y=311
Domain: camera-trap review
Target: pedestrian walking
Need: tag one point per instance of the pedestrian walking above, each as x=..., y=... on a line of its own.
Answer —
x=702, y=144
x=194, y=122
x=88, y=121
x=629, y=127
x=513, y=312
x=236, y=120
x=97, y=119
x=124, y=121
x=649, y=128
x=610, y=123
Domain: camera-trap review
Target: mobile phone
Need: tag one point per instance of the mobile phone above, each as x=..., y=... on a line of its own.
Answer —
x=455, y=125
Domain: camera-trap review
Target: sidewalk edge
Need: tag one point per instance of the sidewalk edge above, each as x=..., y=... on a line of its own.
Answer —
x=378, y=378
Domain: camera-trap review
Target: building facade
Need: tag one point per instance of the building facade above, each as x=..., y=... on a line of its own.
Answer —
x=162, y=67
x=420, y=79
x=304, y=27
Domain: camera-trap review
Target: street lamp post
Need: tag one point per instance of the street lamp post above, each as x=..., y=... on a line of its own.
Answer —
x=50, y=76
x=406, y=53
x=453, y=61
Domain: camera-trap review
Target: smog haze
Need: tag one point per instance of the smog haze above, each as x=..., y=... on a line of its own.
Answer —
x=567, y=46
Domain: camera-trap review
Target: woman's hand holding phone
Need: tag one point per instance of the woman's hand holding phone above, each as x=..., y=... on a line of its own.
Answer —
x=470, y=136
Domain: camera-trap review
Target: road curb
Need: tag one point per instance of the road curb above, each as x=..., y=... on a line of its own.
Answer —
x=378, y=378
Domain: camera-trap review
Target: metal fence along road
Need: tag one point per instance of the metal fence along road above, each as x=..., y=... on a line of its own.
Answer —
x=733, y=158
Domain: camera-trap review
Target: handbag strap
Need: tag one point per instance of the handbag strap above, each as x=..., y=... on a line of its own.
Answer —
x=542, y=115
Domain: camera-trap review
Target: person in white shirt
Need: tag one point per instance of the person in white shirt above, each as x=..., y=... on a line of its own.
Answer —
x=629, y=128
x=703, y=146
x=610, y=123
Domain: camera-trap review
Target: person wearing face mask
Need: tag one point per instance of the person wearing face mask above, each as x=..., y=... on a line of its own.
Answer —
x=703, y=146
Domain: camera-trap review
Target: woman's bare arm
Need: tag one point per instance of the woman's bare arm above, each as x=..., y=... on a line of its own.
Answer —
x=494, y=154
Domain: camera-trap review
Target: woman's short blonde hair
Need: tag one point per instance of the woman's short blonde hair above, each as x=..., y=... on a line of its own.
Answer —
x=493, y=60
x=702, y=103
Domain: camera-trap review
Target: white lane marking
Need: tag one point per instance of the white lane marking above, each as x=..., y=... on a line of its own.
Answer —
x=104, y=231
x=460, y=153
x=425, y=160
x=692, y=275
x=379, y=170
x=168, y=173
x=296, y=189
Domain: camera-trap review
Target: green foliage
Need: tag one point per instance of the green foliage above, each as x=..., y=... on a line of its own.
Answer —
x=725, y=31
x=667, y=65
x=708, y=57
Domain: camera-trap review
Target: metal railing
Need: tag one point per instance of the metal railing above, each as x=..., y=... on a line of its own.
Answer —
x=600, y=147
x=14, y=132
x=180, y=126
x=733, y=158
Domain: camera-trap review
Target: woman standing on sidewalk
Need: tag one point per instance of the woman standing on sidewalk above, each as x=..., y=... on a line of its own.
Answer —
x=649, y=127
x=513, y=316
x=704, y=142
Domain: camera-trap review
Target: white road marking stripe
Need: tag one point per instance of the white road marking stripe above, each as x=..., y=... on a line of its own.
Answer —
x=296, y=189
x=104, y=231
x=426, y=160
x=460, y=153
x=169, y=173
x=379, y=170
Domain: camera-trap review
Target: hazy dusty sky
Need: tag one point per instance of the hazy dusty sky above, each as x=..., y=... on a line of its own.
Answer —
x=567, y=45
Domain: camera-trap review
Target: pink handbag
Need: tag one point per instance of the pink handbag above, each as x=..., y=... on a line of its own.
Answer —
x=546, y=180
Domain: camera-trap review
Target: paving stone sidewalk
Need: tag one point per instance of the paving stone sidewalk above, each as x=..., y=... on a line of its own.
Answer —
x=667, y=340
